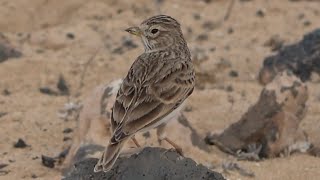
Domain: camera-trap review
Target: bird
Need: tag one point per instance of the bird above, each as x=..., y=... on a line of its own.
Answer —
x=156, y=85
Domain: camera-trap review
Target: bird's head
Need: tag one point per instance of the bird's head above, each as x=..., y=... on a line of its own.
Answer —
x=158, y=32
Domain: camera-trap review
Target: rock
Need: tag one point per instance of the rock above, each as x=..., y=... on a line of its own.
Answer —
x=260, y=13
x=6, y=92
x=67, y=130
x=20, y=143
x=48, y=161
x=70, y=35
x=48, y=91
x=62, y=86
x=3, y=114
x=271, y=125
x=301, y=58
x=275, y=42
x=150, y=163
x=203, y=37
x=233, y=73
x=7, y=50
x=209, y=25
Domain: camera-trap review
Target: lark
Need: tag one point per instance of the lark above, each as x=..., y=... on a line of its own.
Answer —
x=156, y=85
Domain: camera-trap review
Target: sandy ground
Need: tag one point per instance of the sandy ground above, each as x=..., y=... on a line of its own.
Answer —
x=40, y=29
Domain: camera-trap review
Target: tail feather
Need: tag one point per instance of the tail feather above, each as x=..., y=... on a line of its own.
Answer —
x=109, y=157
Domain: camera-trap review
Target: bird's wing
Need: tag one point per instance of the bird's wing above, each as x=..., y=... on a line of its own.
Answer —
x=148, y=93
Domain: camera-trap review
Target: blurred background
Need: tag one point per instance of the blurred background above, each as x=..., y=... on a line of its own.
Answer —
x=81, y=44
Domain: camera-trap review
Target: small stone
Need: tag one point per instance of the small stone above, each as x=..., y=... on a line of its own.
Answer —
x=119, y=11
x=202, y=37
x=67, y=130
x=208, y=25
x=3, y=165
x=233, y=73
x=70, y=35
x=48, y=91
x=260, y=13
x=196, y=16
x=66, y=138
x=307, y=23
x=275, y=42
x=48, y=161
x=146, y=135
x=3, y=114
x=229, y=88
x=128, y=43
x=35, y=158
x=230, y=30
x=117, y=50
x=34, y=176
x=62, y=86
x=6, y=92
x=20, y=143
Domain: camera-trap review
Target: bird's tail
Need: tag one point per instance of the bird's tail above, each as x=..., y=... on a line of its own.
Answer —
x=109, y=156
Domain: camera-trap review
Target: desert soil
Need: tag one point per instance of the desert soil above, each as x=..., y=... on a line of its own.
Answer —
x=58, y=37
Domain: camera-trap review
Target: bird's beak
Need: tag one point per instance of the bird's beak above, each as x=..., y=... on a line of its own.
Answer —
x=134, y=30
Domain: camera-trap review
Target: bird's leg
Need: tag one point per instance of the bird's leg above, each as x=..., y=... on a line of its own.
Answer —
x=162, y=136
x=135, y=141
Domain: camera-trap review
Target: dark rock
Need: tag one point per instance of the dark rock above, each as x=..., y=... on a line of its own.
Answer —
x=48, y=161
x=62, y=86
x=203, y=37
x=118, y=50
x=260, y=13
x=3, y=165
x=275, y=42
x=128, y=43
x=119, y=11
x=279, y=110
x=7, y=50
x=67, y=130
x=301, y=58
x=6, y=92
x=209, y=25
x=229, y=88
x=207, y=1
x=307, y=23
x=48, y=91
x=70, y=35
x=35, y=158
x=20, y=143
x=233, y=73
x=151, y=163
x=3, y=114
x=34, y=176
x=230, y=30
x=66, y=138
x=146, y=135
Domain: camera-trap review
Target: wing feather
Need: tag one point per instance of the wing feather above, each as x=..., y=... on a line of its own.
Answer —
x=147, y=95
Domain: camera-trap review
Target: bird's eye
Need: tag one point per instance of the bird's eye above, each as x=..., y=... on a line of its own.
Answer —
x=154, y=31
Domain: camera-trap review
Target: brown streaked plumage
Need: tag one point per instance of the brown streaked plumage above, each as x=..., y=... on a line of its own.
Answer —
x=156, y=85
